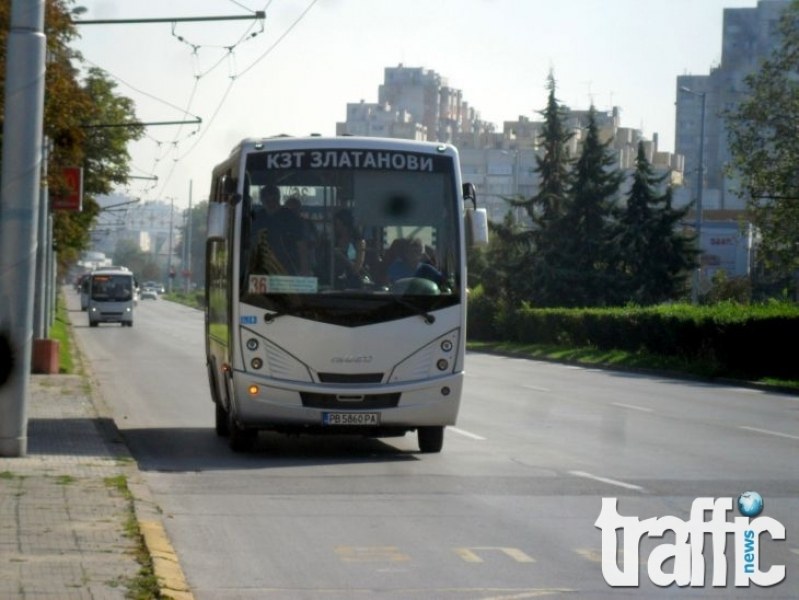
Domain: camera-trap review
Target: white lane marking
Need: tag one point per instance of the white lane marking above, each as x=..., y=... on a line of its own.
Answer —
x=536, y=388
x=632, y=407
x=607, y=480
x=769, y=432
x=467, y=434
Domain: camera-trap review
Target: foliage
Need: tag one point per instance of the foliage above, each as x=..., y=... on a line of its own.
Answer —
x=581, y=256
x=145, y=266
x=553, y=166
x=720, y=337
x=724, y=289
x=71, y=104
x=528, y=253
x=61, y=332
x=765, y=147
x=655, y=258
x=198, y=222
x=583, y=249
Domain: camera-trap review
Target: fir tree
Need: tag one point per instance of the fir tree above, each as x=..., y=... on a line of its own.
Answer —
x=531, y=272
x=655, y=257
x=553, y=165
x=583, y=266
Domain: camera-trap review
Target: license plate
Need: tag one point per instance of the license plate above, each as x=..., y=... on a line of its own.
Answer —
x=335, y=418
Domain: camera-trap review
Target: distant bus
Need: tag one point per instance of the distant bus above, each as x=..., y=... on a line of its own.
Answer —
x=314, y=324
x=111, y=296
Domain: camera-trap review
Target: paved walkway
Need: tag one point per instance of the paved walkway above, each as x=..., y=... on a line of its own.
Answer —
x=68, y=507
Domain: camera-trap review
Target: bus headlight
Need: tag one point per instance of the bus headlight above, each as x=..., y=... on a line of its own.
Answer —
x=256, y=363
x=438, y=356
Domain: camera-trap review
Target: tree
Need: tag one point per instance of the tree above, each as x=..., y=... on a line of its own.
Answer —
x=583, y=264
x=765, y=147
x=530, y=264
x=198, y=220
x=71, y=104
x=654, y=256
x=553, y=166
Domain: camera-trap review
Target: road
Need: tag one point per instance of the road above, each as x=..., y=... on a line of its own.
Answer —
x=506, y=511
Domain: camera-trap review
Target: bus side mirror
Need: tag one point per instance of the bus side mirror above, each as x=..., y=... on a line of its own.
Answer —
x=476, y=218
x=469, y=193
x=476, y=226
x=217, y=221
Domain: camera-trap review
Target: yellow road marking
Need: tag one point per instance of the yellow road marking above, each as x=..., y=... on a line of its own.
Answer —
x=470, y=554
x=371, y=554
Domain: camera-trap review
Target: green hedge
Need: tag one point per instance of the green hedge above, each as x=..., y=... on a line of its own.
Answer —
x=754, y=341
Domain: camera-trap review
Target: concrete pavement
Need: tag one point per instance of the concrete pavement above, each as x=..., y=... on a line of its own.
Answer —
x=76, y=520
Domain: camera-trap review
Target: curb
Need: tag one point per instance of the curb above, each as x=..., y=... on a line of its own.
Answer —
x=166, y=564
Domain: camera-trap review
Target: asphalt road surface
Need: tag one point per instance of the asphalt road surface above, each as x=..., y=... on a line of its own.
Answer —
x=506, y=511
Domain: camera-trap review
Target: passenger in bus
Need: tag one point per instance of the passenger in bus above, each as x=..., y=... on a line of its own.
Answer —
x=349, y=249
x=279, y=234
x=310, y=236
x=411, y=261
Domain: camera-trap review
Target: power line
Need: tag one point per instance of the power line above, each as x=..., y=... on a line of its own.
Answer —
x=257, y=15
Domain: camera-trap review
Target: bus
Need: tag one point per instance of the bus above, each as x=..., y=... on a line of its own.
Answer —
x=336, y=288
x=111, y=296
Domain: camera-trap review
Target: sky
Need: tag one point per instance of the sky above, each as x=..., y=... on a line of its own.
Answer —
x=294, y=72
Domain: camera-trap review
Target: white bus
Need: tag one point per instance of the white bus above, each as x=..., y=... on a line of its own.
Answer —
x=111, y=296
x=336, y=288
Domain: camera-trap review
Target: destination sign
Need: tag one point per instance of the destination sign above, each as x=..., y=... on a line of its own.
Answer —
x=386, y=160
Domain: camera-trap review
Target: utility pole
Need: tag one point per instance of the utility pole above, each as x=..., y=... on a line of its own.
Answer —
x=19, y=197
x=700, y=184
x=170, y=275
x=187, y=245
x=40, y=320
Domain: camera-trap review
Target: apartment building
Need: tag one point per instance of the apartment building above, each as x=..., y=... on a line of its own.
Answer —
x=749, y=35
x=417, y=103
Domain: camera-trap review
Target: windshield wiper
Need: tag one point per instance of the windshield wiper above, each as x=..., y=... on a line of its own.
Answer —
x=271, y=316
x=429, y=318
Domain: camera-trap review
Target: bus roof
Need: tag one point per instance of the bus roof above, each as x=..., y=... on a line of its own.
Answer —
x=347, y=141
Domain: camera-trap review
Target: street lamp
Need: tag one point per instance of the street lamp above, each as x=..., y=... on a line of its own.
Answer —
x=699, y=186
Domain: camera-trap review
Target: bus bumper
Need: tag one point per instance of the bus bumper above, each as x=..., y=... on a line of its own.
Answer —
x=272, y=404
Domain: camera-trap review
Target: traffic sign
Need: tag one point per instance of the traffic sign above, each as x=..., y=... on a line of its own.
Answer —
x=71, y=198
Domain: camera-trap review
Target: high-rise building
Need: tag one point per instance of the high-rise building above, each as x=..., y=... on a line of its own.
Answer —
x=749, y=36
x=413, y=103
x=417, y=103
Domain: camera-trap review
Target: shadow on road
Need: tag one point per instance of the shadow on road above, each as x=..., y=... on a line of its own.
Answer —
x=200, y=449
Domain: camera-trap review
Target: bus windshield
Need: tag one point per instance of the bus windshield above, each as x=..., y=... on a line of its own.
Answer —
x=111, y=288
x=331, y=234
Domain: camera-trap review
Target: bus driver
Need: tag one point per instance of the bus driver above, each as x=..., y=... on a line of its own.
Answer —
x=281, y=248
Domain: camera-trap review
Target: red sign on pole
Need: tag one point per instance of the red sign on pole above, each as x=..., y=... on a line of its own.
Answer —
x=72, y=198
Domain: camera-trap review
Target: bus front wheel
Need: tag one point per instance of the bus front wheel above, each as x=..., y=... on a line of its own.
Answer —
x=431, y=439
x=222, y=429
x=240, y=439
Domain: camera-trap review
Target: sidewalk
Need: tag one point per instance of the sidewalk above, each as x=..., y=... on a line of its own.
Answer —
x=67, y=508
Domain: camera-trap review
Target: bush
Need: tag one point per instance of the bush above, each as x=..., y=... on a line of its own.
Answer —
x=735, y=338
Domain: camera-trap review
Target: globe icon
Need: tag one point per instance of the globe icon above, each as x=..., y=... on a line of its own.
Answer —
x=750, y=504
